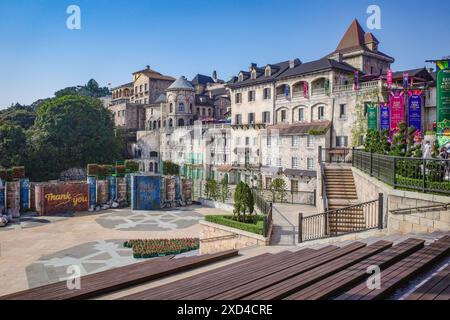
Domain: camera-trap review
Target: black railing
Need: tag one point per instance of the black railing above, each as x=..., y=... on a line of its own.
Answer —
x=425, y=175
x=361, y=217
x=335, y=155
x=265, y=208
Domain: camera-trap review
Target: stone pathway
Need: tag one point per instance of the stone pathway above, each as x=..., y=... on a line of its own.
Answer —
x=285, y=222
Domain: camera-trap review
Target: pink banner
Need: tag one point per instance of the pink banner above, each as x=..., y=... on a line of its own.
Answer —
x=397, y=104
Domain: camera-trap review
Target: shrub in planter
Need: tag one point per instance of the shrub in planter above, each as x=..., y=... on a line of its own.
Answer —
x=6, y=174
x=92, y=169
x=18, y=173
x=131, y=166
x=161, y=247
x=120, y=169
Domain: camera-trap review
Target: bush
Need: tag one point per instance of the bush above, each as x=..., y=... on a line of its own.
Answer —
x=278, y=189
x=243, y=201
x=212, y=189
x=170, y=168
x=6, y=174
x=18, y=173
x=161, y=247
x=120, y=169
x=92, y=169
x=131, y=166
x=257, y=225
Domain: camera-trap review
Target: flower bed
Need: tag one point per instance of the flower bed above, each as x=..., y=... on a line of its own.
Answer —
x=151, y=248
x=257, y=226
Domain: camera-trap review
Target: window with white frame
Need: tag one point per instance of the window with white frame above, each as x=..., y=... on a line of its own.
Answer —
x=268, y=72
x=341, y=141
x=294, y=185
x=238, y=119
x=295, y=141
x=181, y=107
x=251, y=118
x=267, y=93
x=301, y=114
x=310, y=141
x=251, y=96
x=295, y=163
x=310, y=164
x=269, y=140
x=266, y=117
x=283, y=116
x=238, y=97
x=279, y=162
x=342, y=111
x=320, y=112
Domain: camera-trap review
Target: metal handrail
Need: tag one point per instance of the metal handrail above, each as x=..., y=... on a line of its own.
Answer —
x=438, y=207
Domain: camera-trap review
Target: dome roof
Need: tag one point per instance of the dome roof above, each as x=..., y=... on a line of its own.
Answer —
x=181, y=84
x=161, y=98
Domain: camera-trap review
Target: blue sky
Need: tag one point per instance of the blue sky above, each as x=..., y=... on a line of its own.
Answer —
x=39, y=55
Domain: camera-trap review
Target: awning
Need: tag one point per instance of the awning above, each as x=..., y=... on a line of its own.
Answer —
x=271, y=170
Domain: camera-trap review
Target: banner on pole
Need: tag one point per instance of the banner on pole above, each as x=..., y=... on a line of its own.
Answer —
x=397, y=106
x=372, y=116
x=415, y=110
x=385, y=116
x=443, y=106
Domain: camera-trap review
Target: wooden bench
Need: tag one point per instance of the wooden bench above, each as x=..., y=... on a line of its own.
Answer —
x=353, y=275
x=215, y=278
x=399, y=273
x=96, y=284
x=436, y=288
x=269, y=280
x=303, y=280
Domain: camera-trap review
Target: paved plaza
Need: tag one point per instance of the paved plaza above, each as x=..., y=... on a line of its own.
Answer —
x=37, y=250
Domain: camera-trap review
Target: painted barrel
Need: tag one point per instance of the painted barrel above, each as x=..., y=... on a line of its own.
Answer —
x=145, y=192
x=121, y=189
x=102, y=192
x=24, y=194
x=13, y=198
x=61, y=197
x=92, y=191
x=112, y=189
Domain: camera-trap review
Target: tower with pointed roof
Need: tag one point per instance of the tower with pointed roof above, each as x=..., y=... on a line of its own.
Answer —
x=360, y=49
x=179, y=107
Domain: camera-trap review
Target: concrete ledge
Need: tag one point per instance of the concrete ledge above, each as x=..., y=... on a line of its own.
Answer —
x=216, y=204
x=216, y=238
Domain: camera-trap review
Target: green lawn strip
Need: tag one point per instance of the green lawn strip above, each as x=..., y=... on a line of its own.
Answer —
x=228, y=221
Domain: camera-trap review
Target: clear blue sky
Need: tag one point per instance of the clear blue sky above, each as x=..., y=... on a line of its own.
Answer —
x=39, y=55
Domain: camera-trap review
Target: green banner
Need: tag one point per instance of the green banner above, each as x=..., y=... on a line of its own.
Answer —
x=443, y=107
x=372, y=116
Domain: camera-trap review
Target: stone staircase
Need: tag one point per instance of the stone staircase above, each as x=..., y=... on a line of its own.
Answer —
x=341, y=194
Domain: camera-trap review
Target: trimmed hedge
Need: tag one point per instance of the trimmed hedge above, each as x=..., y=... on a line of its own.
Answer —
x=227, y=220
x=131, y=166
x=6, y=174
x=151, y=248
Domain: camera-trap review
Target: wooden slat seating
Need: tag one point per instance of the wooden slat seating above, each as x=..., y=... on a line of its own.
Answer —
x=96, y=284
x=303, y=280
x=437, y=288
x=355, y=274
x=187, y=288
x=401, y=272
x=243, y=290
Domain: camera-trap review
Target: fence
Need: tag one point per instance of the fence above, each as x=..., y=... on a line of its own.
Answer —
x=265, y=208
x=425, y=175
x=357, y=218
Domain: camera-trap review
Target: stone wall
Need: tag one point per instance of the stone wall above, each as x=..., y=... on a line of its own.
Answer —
x=218, y=238
x=368, y=189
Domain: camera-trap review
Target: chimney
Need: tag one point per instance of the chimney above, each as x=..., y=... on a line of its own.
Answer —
x=147, y=67
x=252, y=65
x=214, y=76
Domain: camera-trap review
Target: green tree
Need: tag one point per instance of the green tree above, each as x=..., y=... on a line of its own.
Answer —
x=211, y=189
x=224, y=188
x=170, y=168
x=278, y=188
x=377, y=141
x=12, y=145
x=243, y=202
x=70, y=132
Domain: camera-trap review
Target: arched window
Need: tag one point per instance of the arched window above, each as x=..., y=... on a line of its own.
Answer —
x=153, y=154
x=241, y=77
x=253, y=75
x=181, y=122
x=268, y=72
x=171, y=108
x=209, y=112
x=150, y=167
x=170, y=123
x=154, y=125
x=190, y=107
x=181, y=107
x=156, y=167
x=164, y=123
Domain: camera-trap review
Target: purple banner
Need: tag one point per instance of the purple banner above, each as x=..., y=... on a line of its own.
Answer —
x=415, y=111
x=385, y=117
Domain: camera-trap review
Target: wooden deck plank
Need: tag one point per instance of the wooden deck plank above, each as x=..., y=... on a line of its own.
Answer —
x=189, y=287
x=119, y=278
x=294, y=284
x=400, y=272
x=431, y=289
x=357, y=273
